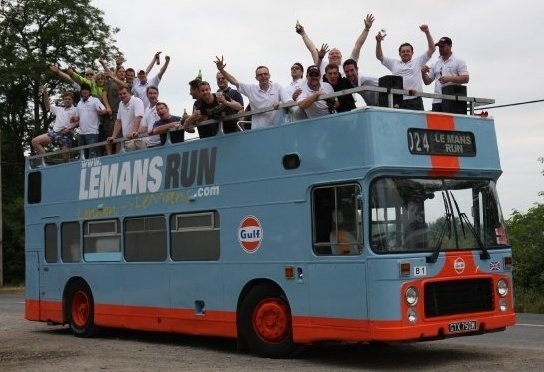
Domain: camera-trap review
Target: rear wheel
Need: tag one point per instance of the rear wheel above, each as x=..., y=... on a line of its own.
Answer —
x=80, y=311
x=265, y=324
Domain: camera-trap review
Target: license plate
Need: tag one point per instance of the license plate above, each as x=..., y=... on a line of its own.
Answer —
x=466, y=326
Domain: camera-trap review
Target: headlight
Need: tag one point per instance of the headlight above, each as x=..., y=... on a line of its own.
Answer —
x=411, y=296
x=411, y=315
x=502, y=287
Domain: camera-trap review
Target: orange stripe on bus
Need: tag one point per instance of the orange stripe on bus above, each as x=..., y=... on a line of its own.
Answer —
x=443, y=166
x=305, y=329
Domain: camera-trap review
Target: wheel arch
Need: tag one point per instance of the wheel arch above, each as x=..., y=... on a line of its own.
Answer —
x=72, y=282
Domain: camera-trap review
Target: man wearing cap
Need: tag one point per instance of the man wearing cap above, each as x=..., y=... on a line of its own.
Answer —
x=408, y=68
x=88, y=109
x=447, y=69
x=262, y=95
x=139, y=88
x=309, y=101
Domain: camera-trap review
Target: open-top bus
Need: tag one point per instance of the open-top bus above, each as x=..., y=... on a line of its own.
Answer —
x=377, y=224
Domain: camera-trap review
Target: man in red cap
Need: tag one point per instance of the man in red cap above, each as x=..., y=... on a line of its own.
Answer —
x=447, y=69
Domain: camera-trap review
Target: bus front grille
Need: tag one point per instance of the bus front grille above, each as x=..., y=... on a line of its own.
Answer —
x=458, y=297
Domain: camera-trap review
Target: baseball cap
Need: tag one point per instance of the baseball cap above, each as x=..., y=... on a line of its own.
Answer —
x=312, y=68
x=444, y=40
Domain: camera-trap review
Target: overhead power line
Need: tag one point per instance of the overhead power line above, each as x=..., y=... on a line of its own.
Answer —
x=510, y=104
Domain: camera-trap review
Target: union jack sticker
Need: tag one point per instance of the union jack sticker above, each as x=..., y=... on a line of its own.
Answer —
x=494, y=266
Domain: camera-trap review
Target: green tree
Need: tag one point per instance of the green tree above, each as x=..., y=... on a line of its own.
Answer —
x=33, y=34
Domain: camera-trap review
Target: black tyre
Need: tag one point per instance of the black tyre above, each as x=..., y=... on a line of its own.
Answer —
x=80, y=310
x=265, y=324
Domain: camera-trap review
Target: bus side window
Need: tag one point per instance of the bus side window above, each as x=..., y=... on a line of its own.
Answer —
x=50, y=232
x=145, y=239
x=101, y=240
x=70, y=248
x=195, y=236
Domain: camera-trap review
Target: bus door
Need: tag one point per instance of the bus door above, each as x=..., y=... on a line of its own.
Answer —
x=337, y=275
x=50, y=290
x=195, y=283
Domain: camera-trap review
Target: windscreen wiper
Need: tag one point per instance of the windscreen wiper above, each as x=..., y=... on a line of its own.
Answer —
x=463, y=218
x=446, y=226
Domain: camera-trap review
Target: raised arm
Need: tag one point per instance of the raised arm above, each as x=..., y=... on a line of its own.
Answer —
x=356, y=52
x=164, y=67
x=152, y=63
x=430, y=42
x=220, y=63
x=308, y=42
x=54, y=68
x=379, y=52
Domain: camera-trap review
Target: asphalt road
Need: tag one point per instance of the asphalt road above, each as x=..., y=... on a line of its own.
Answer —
x=31, y=346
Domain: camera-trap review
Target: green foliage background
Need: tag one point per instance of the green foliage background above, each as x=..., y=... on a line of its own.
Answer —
x=33, y=34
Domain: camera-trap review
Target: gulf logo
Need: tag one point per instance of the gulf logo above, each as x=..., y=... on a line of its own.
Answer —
x=250, y=234
x=459, y=265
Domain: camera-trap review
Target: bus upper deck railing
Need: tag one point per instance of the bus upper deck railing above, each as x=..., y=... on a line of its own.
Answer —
x=40, y=160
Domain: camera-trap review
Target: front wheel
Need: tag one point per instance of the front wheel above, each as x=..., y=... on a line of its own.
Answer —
x=265, y=324
x=81, y=311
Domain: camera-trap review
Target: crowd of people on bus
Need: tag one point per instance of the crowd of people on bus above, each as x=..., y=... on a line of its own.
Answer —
x=120, y=103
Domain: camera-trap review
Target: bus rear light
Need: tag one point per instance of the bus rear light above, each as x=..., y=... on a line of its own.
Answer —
x=289, y=272
x=507, y=263
x=404, y=269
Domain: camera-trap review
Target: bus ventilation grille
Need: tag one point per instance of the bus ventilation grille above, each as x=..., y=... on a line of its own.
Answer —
x=458, y=297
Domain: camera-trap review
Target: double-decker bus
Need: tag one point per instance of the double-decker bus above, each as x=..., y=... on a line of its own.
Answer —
x=377, y=224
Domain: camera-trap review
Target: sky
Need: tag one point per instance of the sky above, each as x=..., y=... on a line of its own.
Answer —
x=501, y=42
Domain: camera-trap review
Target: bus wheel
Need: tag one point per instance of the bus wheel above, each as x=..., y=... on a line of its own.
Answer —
x=265, y=322
x=81, y=311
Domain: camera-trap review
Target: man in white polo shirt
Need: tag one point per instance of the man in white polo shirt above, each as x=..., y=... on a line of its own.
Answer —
x=264, y=94
x=447, y=69
x=88, y=109
x=408, y=68
x=309, y=101
x=129, y=117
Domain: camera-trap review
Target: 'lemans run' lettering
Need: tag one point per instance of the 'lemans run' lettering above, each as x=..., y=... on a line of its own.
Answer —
x=147, y=175
x=188, y=166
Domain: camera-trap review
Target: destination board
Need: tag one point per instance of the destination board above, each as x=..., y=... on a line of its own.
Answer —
x=441, y=142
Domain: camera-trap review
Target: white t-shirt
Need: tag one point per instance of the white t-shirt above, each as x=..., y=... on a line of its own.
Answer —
x=410, y=71
x=150, y=117
x=88, y=115
x=451, y=67
x=319, y=107
x=259, y=98
x=290, y=89
x=140, y=90
x=127, y=112
x=62, y=117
